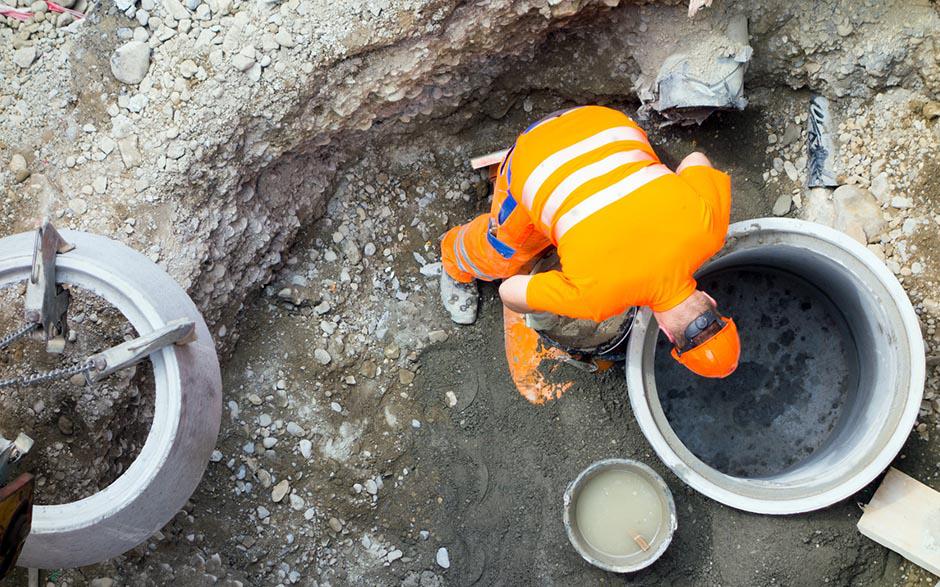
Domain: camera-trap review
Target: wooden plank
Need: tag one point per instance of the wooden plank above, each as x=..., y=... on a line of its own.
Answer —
x=494, y=158
x=904, y=515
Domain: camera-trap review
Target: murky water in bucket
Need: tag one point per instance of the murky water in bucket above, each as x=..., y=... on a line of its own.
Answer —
x=798, y=365
x=618, y=512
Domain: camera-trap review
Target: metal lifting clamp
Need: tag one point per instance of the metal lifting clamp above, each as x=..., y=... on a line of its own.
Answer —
x=46, y=307
x=45, y=311
x=46, y=301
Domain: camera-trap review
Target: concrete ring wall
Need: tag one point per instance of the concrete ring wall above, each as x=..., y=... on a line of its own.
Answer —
x=187, y=410
x=877, y=417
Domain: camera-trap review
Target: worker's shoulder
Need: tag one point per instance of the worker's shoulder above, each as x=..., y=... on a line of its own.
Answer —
x=600, y=114
x=578, y=123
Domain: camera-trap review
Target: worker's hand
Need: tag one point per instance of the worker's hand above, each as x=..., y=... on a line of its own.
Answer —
x=693, y=159
x=513, y=293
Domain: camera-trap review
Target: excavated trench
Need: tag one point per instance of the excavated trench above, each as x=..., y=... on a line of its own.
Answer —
x=595, y=58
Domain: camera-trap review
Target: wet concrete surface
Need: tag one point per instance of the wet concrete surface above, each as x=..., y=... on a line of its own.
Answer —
x=798, y=366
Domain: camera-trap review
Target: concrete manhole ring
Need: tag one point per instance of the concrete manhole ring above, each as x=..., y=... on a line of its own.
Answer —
x=187, y=410
x=882, y=399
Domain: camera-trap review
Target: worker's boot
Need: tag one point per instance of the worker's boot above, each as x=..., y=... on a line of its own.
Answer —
x=460, y=299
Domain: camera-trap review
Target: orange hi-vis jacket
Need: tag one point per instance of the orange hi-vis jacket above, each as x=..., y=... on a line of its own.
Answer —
x=629, y=231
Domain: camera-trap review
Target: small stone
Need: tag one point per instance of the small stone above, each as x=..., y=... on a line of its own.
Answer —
x=901, y=203
x=880, y=187
x=336, y=407
x=394, y=555
x=336, y=525
x=216, y=456
x=19, y=168
x=782, y=205
x=931, y=110
x=415, y=424
x=790, y=169
x=436, y=336
x=254, y=399
x=130, y=153
x=244, y=59
x=284, y=39
x=294, y=429
x=102, y=582
x=297, y=503
x=431, y=269
x=369, y=249
x=78, y=206
x=791, y=134
x=269, y=442
x=306, y=448
x=175, y=9
x=280, y=490
x=424, y=534
x=917, y=267
x=392, y=351
x=309, y=513
x=264, y=420
x=65, y=425
x=371, y=486
x=130, y=62
x=263, y=512
x=322, y=356
x=100, y=184
x=106, y=145
x=188, y=68
x=451, y=398
x=443, y=558
x=24, y=56
x=406, y=377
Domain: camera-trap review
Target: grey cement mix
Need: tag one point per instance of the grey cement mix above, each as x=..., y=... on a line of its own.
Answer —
x=798, y=365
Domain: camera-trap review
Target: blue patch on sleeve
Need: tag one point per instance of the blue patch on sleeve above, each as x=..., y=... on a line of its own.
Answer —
x=509, y=204
x=502, y=248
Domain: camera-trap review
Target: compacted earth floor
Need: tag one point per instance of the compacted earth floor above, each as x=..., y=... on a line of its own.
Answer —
x=366, y=440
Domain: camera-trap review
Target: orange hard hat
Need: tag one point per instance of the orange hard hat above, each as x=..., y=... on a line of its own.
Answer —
x=718, y=355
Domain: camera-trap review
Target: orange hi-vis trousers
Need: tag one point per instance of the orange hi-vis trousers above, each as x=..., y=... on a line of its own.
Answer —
x=502, y=243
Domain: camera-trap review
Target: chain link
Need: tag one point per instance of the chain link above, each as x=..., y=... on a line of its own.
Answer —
x=17, y=334
x=53, y=375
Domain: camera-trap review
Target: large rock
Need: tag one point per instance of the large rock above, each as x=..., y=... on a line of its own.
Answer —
x=858, y=214
x=130, y=62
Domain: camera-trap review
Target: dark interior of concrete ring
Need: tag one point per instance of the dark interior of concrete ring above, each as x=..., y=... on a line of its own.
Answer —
x=799, y=366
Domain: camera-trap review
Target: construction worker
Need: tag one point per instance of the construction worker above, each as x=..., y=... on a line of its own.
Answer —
x=629, y=232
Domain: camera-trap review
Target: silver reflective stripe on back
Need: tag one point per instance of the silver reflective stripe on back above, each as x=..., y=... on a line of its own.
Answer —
x=551, y=164
x=608, y=196
x=586, y=174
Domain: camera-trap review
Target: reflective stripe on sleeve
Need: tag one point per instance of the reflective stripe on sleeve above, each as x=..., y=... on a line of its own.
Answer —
x=551, y=164
x=608, y=196
x=586, y=174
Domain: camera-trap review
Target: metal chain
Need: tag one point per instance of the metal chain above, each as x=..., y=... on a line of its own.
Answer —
x=17, y=334
x=53, y=375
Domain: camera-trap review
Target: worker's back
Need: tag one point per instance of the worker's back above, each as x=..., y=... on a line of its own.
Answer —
x=628, y=230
